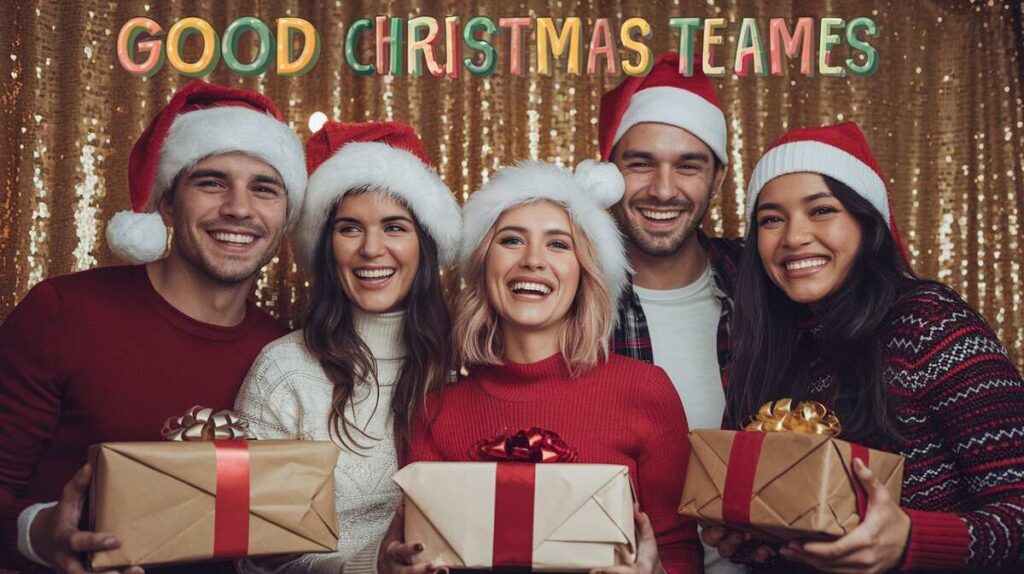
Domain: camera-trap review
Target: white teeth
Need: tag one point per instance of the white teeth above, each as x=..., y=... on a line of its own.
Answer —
x=659, y=215
x=530, y=286
x=806, y=263
x=233, y=237
x=374, y=273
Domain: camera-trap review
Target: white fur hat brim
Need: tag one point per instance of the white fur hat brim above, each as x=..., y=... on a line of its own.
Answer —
x=225, y=129
x=586, y=196
x=394, y=170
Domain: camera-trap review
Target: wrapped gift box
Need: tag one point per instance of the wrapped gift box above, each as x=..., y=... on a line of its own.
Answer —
x=566, y=517
x=781, y=485
x=173, y=502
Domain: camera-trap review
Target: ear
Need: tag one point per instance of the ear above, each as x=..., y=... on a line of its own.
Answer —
x=165, y=207
x=721, y=170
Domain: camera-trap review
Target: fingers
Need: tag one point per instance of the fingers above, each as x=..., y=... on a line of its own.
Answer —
x=763, y=554
x=712, y=535
x=82, y=541
x=403, y=553
x=731, y=543
x=872, y=487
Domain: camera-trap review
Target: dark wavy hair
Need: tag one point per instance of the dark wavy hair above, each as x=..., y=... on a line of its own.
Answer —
x=773, y=354
x=331, y=337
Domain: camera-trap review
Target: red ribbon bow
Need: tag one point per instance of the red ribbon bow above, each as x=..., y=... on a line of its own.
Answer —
x=528, y=445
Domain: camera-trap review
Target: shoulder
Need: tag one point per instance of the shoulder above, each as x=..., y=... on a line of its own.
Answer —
x=92, y=283
x=645, y=380
x=282, y=361
x=927, y=309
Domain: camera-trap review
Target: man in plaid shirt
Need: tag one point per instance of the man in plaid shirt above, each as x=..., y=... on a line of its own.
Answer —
x=666, y=133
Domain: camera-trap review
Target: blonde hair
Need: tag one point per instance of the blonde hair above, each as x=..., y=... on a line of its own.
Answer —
x=583, y=339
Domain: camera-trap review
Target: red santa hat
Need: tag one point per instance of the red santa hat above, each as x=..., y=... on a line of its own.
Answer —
x=200, y=120
x=586, y=194
x=384, y=155
x=839, y=151
x=664, y=96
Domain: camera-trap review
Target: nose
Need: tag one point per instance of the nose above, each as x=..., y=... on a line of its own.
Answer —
x=662, y=188
x=798, y=232
x=372, y=245
x=533, y=256
x=237, y=202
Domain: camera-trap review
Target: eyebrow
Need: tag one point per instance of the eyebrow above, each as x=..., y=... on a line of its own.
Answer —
x=201, y=173
x=807, y=199
x=389, y=219
x=687, y=156
x=524, y=231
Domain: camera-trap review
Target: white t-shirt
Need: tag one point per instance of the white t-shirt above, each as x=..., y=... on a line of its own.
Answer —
x=683, y=325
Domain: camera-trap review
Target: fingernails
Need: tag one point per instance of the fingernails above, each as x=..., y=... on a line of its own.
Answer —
x=110, y=542
x=418, y=547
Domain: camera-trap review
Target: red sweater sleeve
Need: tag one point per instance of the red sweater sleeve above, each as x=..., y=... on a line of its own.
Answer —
x=661, y=471
x=30, y=396
x=421, y=442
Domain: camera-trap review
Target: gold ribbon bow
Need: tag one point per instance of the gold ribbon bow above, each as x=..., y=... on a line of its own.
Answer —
x=809, y=417
x=201, y=423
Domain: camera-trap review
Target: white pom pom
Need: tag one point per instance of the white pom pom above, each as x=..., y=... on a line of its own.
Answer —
x=602, y=180
x=137, y=237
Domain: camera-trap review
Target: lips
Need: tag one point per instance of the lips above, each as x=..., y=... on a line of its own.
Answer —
x=374, y=273
x=233, y=238
x=804, y=263
x=530, y=287
x=660, y=214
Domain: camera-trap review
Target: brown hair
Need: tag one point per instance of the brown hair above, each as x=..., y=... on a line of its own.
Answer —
x=584, y=337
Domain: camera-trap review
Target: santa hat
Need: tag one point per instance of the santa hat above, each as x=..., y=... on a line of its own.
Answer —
x=200, y=120
x=587, y=195
x=383, y=155
x=664, y=96
x=839, y=151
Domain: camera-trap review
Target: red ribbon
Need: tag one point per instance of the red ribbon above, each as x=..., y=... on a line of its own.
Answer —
x=528, y=445
x=864, y=454
x=513, y=515
x=739, y=478
x=738, y=491
x=231, y=514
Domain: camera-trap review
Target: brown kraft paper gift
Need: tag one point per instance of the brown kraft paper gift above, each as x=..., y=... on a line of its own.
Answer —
x=161, y=499
x=799, y=486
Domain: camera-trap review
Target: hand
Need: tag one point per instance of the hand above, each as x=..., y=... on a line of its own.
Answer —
x=395, y=555
x=728, y=542
x=55, y=534
x=647, y=559
x=875, y=545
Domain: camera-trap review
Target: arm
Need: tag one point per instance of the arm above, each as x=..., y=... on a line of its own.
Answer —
x=975, y=398
x=30, y=397
x=661, y=471
x=421, y=441
x=273, y=412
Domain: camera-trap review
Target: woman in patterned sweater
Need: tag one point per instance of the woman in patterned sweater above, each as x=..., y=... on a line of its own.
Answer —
x=828, y=309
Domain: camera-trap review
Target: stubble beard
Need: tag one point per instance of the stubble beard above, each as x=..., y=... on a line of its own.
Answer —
x=660, y=245
x=235, y=271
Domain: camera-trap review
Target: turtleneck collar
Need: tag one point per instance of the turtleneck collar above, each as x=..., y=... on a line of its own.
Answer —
x=382, y=333
x=513, y=381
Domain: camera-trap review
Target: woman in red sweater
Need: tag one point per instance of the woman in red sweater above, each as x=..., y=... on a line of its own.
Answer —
x=828, y=309
x=543, y=265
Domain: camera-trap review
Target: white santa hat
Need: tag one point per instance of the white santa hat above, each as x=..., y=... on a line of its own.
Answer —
x=200, y=120
x=384, y=155
x=664, y=96
x=587, y=195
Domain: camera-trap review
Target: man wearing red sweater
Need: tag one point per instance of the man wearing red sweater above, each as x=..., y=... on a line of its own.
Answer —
x=108, y=354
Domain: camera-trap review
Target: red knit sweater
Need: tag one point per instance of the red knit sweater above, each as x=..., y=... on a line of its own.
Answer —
x=621, y=412
x=99, y=356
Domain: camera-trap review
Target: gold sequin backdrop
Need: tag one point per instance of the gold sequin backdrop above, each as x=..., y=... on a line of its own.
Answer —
x=944, y=115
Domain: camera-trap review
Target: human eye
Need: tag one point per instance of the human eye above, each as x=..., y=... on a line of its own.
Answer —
x=769, y=221
x=267, y=191
x=395, y=228
x=823, y=210
x=510, y=240
x=348, y=229
x=210, y=183
x=560, y=245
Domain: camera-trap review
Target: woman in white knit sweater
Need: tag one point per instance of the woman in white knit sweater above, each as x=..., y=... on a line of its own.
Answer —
x=377, y=227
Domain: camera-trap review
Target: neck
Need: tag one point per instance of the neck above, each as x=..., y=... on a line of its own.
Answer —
x=529, y=346
x=197, y=295
x=670, y=271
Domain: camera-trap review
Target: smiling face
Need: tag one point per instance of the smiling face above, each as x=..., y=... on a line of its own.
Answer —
x=229, y=214
x=808, y=241
x=531, y=269
x=376, y=250
x=670, y=178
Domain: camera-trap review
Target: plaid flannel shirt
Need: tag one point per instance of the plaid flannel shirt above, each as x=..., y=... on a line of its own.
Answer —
x=632, y=337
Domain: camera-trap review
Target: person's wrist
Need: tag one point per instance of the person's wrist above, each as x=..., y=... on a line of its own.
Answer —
x=41, y=533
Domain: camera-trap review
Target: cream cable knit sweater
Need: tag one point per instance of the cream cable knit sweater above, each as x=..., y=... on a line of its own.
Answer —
x=287, y=395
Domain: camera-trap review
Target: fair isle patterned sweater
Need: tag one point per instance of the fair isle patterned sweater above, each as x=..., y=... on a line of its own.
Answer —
x=961, y=416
